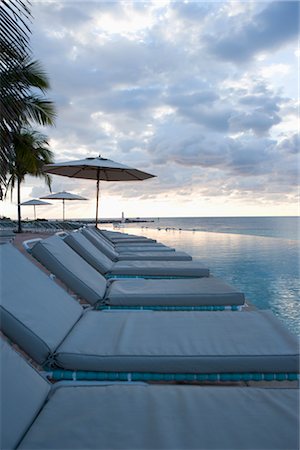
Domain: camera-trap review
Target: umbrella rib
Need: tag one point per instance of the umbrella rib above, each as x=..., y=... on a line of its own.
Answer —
x=135, y=176
x=78, y=171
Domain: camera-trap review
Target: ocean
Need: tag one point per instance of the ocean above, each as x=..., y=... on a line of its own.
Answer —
x=259, y=255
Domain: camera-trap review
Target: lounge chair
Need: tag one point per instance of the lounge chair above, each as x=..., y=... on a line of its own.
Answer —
x=155, y=269
x=126, y=247
x=79, y=242
x=116, y=237
x=6, y=236
x=39, y=415
x=206, y=293
x=193, y=293
x=58, y=333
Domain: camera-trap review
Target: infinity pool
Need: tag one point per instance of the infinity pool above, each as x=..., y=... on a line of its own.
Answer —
x=266, y=269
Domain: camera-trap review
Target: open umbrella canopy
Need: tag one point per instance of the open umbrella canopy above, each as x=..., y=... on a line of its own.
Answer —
x=99, y=169
x=34, y=202
x=64, y=196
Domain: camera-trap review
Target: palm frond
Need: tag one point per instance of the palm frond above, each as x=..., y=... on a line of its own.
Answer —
x=14, y=47
x=39, y=110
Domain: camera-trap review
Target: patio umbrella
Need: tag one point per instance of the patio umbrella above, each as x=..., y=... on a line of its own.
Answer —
x=64, y=196
x=97, y=169
x=34, y=202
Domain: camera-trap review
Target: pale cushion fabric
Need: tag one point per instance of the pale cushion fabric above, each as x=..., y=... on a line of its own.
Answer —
x=117, y=234
x=35, y=312
x=167, y=418
x=101, y=244
x=61, y=259
x=143, y=248
x=81, y=245
x=154, y=256
x=160, y=268
x=119, y=237
x=113, y=255
x=206, y=291
x=81, y=277
x=185, y=342
x=23, y=392
x=141, y=417
x=127, y=242
x=136, y=341
x=98, y=241
x=132, y=240
x=71, y=268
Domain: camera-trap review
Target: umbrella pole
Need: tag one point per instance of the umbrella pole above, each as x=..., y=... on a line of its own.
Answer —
x=63, y=209
x=97, y=198
x=34, y=212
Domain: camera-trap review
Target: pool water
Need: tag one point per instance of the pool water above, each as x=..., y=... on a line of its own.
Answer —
x=266, y=269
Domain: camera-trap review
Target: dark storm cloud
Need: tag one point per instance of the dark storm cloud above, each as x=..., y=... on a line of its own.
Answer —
x=274, y=26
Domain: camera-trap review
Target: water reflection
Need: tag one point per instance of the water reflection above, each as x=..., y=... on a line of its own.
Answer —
x=266, y=269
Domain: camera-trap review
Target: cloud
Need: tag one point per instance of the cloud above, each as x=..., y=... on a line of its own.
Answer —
x=290, y=145
x=149, y=85
x=269, y=29
x=191, y=11
x=257, y=121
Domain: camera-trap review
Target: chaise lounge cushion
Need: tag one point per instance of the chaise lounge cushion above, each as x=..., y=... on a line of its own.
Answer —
x=81, y=243
x=114, y=236
x=129, y=292
x=68, y=266
x=38, y=318
x=206, y=291
x=186, y=342
x=154, y=256
x=101, y=244
x=62, y=261
x=98, y=241
x=23, y=392
x=82, y=278
x=165, y=418
x=34, y=310
x=140, y=416
x=160, y=268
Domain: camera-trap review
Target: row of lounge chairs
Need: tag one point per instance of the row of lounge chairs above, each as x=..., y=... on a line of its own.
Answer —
x=94, y=284
x=74, y=342
x=40, y=225
x=89, y=272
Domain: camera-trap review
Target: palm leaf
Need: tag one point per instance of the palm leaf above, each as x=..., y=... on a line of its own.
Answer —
x=14, y=47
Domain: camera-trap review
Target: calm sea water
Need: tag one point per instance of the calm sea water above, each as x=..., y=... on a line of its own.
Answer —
x=284, y=227
x=258, y=255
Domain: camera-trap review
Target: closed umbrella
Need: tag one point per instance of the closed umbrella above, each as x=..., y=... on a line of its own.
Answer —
x=97, y=169
x=64, y=196
x=34, y=202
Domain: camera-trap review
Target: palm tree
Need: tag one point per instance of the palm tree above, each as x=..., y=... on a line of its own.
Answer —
x=18, y=75
x=31, y=107
x=14, y=47
x=31, y=153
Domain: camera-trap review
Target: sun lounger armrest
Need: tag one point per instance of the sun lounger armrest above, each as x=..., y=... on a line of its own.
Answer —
x=30, y=243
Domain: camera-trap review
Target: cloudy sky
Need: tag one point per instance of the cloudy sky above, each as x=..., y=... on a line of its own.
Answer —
x=202, y=94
